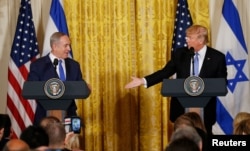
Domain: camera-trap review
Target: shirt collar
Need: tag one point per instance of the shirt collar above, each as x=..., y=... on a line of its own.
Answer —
x=53, y=57
x=202, y=51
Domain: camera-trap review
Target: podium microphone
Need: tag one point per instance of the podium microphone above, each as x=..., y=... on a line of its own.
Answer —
x=55, y=63
x=191, y=51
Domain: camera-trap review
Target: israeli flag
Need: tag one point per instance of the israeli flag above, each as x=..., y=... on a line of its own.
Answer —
x=56, y=22
x=230, y=40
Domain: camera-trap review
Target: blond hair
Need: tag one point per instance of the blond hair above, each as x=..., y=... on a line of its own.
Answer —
x=199, y=30
x=241, y=116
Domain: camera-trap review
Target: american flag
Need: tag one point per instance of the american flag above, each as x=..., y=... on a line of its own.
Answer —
x=24, y=50
x=183, y=20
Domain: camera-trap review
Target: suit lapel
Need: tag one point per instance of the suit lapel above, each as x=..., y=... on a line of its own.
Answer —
x=205, y=64
x=67, y=68
x=51, y=69
x=186, y=70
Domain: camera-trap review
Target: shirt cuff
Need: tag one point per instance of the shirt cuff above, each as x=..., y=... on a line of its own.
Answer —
x=145, y=83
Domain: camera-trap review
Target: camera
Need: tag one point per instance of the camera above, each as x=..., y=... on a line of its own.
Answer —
x=73, y=124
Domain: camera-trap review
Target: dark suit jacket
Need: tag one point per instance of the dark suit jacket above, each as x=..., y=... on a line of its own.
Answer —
x=43, y=69
x=214, y=66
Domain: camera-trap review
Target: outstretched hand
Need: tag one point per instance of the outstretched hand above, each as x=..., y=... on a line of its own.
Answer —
x=134, y=83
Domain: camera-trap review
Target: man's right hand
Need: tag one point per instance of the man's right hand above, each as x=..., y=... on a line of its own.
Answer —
x=134, y=83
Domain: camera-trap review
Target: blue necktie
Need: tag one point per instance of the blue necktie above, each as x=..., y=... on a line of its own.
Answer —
x=61, y=71
x=196, y=64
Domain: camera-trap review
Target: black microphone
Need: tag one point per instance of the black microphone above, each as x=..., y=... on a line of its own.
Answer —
x=55, y=63
x=191, y=51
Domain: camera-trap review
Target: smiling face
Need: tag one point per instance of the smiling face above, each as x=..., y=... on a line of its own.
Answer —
x=60, y=46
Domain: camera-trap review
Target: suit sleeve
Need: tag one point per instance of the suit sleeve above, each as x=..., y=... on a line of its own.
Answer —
x=159, y=75
x=33, y=73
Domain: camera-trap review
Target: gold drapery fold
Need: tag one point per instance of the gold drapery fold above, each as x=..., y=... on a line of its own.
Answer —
x=114, y=40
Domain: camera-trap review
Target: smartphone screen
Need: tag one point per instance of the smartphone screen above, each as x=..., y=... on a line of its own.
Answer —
x=76, y=124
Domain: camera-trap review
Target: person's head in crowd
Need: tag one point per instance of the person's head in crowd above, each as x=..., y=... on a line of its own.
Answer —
x=57, y=135
x=187, y=132
x=240, y=117
x=5, y=129
x=182, y=121
x=182, y=144
x=192, y=119
x=48, y=120
x=243, y=128
x=196, y=119
x=16, y=145
x=36, y=137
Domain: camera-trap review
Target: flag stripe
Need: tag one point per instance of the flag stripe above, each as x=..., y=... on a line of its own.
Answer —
x=16, y=129
x=14, y=110
x=18, y=92
x=230, y=10
x=223, y=118
x=58, y=16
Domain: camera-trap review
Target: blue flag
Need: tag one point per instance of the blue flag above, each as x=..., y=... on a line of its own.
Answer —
x=57, y=22
x=183, y=20
x=231, y=41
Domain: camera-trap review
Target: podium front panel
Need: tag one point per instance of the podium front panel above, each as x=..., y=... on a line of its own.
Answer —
x=73, y=90
x=213, y=87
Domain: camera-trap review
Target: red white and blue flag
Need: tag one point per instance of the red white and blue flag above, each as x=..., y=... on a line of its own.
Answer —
x=24, y=50
x=183, y=20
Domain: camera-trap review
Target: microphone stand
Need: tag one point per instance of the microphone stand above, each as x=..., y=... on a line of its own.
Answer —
x=193, y=64
x=55, y=63
x=192, y=57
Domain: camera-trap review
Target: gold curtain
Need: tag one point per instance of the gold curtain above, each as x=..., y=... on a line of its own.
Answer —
x=114, y=40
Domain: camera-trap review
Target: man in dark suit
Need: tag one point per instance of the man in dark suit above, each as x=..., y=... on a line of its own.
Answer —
x=46, y=68
x=212, y=64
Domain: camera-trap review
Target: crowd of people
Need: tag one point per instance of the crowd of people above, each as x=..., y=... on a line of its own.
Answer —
x=190, y=132
x=50, y=134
